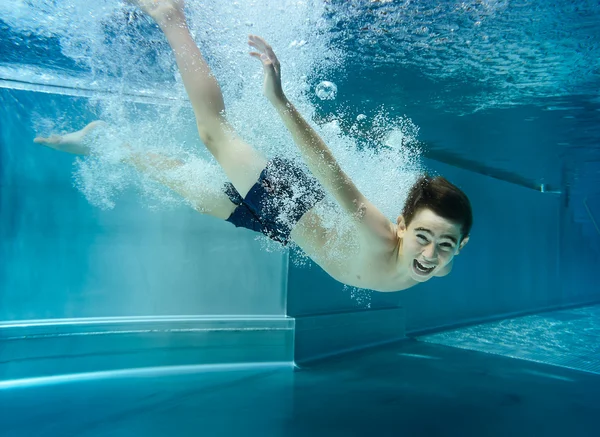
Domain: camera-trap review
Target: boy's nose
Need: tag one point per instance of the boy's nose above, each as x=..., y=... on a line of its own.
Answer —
x=430, y=252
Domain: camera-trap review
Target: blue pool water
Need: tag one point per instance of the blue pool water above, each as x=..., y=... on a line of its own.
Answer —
x=125, y=312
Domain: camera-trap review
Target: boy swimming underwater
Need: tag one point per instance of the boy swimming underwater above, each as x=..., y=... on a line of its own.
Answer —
x=276, y=197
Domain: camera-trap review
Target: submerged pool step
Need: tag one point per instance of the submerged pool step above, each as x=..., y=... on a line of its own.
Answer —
x=566, y=338
x=31, y=349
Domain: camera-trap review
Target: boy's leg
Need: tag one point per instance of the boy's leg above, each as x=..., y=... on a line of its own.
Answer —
x=167, y=171
x=242, y=163
x=163, y=169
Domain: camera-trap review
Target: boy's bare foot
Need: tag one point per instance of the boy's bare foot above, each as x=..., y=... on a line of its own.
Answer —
x=73, y=142
x=162, y=11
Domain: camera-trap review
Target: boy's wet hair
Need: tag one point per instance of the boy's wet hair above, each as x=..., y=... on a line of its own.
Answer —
x=443, y=198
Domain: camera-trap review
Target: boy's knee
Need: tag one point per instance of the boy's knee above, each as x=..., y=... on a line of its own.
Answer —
x=211, y=133
x=207, y=138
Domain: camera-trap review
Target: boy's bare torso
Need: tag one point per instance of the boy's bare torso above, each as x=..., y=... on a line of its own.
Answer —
x=350, y=257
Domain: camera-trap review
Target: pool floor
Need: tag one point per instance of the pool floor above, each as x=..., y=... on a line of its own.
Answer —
x=405, y=389
x=567, y=338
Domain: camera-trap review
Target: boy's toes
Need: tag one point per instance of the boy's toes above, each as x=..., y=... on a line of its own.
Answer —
x=53, y=139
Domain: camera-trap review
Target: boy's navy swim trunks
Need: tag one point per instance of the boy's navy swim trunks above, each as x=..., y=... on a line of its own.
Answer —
x=282, y=195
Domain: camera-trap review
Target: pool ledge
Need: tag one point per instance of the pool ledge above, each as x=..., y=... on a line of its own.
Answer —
x=35, y=349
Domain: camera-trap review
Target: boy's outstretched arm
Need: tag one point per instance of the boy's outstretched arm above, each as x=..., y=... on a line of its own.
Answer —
x=317, y=155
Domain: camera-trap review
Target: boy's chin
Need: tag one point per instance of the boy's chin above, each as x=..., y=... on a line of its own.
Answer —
x=420, y=278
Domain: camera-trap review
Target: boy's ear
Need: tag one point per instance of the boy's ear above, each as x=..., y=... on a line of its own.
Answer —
x=401, y=226
x=463, y=243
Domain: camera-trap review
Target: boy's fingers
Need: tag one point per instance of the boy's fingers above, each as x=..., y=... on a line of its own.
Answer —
x=260, y=40
x=259, y=43
x=253, y=41
x=253, y=44
x=268, y=50
x=267, y=55
x=262, y=57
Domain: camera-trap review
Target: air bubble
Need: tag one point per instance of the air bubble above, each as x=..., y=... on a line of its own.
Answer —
x=326, y=90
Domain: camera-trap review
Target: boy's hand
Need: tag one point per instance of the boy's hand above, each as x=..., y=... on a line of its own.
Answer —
x=272, y=86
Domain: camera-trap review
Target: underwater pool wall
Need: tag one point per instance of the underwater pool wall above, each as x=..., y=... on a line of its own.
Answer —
x=510, y=265
x=526, y=254
x=580, y=251
x=83, y=289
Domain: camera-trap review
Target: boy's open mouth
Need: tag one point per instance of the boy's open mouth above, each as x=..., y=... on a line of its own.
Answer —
x=421, y=269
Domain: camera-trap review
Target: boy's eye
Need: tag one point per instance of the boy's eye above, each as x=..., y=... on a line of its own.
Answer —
x=422, y=238
x=446, y=246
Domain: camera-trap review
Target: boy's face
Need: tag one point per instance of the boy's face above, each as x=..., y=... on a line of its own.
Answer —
x=429, y=243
